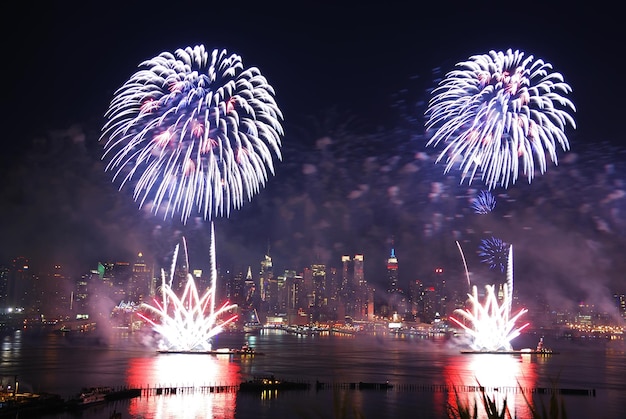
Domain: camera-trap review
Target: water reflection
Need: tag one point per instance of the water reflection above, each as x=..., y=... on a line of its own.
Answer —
x=501, y=375
x=193, y=371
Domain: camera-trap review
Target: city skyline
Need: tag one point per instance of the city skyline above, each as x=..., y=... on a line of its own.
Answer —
x=129, y=282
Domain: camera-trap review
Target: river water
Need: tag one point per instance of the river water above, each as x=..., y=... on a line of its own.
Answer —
x=63, y=364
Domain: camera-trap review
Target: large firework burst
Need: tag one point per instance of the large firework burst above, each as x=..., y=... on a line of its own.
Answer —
x=500, y=114
x=194, y=132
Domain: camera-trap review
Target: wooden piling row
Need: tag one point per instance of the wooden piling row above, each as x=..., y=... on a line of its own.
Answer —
x=159, y=390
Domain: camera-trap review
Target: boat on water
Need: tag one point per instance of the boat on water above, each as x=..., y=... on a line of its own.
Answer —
x=520, y=352
x=245, y=350
x=254, y=325
x=95, y=395
x=90, y=396
x=540, y=350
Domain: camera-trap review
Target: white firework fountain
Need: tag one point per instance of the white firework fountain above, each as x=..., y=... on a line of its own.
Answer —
x=491, y=324
x=189, y=323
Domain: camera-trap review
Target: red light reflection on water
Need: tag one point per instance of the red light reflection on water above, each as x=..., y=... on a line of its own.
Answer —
x=501, y=375
x=189, y=371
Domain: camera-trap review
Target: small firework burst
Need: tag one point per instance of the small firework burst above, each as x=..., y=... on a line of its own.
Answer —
x=484, y=203
x=494, y=252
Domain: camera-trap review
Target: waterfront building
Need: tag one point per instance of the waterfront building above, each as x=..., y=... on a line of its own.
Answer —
x=266, y=275
x=141, y=283
x=393, y=291
x=20, y=283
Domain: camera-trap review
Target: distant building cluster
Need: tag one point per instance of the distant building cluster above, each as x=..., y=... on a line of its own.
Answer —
x=315, y=294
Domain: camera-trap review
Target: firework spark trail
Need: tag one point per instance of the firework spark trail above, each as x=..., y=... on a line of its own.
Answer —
x=497, y=113
x=492, y=326
x=194, y=131
x=190, y=322
x=464, y=263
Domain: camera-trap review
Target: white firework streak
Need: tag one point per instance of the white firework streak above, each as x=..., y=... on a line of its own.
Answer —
x=492, y=326
x=497, y=111
x=188, y=323
x=193, y=131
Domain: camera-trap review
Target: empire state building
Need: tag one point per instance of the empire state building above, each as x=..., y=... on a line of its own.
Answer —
x=392, y=272
x=393, y=292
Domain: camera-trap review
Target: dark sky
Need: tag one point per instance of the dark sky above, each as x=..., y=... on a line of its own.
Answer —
x=65, y=59
x=354, y=73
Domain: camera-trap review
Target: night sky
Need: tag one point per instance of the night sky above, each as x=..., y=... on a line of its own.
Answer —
x=352, y=82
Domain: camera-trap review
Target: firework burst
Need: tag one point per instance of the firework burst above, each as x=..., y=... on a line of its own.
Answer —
x=494, y=252
x=190, y=322
x=500, y=114
x=193, y=132
x=484, y=203
x=491, y=325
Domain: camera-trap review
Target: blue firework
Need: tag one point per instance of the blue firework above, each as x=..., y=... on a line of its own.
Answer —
x=484, y=203
x=193, y=132
x=500, y=115
x=494, y=252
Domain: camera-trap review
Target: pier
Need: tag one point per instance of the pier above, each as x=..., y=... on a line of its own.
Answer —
x=159, y=390
x=33, y=404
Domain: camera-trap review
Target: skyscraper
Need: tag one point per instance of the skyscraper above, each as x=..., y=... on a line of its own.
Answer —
x=266, y=275
x=359, y=275
x=319, y=285
x=345, y=275
x=20, y=283
x=393, y=292
x=249, y=290
x=141, y=280
x=392, y=272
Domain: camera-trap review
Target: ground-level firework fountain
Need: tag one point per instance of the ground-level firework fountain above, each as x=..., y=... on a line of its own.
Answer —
x=188, y=323
x=491, y=324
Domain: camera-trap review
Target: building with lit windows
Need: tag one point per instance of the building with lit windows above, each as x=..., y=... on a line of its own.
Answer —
x=393, y=291
x=142, y=282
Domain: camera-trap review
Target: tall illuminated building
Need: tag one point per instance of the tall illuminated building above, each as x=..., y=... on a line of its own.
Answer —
x=441, y=293
x=249, y=289
x=392, y=272
x=141, y=280
x=393, y=294
x=19, y=282
x=318, y=272
x=416, y=299
x=333, y=283
x=359, y=275
x=318, y=291
x=57, y=293
x=345, y=275
x=236, y=287
x=266, y=275
x=4, y=287
x=293, y=290
x=362, y=293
